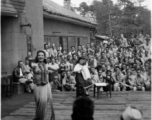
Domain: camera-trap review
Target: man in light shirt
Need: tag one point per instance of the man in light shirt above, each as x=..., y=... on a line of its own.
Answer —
x=124, y=42
x=46, y=50
x=53, y=51
x=119, y=80
x=21, y=75
x=72, y=51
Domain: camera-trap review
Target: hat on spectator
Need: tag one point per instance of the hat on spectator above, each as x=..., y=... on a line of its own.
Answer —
x=132, y=113
x=81, y=58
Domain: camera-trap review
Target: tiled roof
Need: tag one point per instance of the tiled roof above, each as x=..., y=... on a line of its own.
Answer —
x=53, y=8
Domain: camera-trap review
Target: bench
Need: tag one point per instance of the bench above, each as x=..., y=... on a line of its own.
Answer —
x=98, y=86
x=7, y=85
x=18, y=88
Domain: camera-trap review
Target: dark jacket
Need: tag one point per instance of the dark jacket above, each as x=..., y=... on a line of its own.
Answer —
x=16, y=74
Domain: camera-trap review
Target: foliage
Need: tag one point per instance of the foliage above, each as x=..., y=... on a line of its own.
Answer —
x=127, y=17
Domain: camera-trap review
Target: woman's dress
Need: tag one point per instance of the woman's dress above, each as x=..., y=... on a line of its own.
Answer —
x=42, y=90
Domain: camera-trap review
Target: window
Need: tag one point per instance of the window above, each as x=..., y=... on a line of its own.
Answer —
x=64, y=43
x=83, y=41
x=51, y=40
x=72, y=41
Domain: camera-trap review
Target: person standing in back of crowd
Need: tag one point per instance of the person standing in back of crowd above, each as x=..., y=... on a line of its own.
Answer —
x=124, y=42
x=72, y=51
x=29, y=57
x=46, y=50
x=53, y=51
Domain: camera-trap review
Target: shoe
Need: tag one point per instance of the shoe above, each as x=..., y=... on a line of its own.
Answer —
x=29, y=82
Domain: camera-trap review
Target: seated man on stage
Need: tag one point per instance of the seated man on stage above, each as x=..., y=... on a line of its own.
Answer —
x=69, y=82
x=83, y=75
x=23, y=75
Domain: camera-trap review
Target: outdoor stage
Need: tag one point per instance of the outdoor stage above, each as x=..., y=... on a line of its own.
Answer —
x=106, y=108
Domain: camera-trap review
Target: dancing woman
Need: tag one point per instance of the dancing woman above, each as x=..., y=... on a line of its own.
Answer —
x=42, y=88
x=83, y=74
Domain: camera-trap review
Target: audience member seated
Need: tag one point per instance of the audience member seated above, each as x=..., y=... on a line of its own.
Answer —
x=94, y=75
x=119, y=79
x=130, y=80
x=139, y=81
x=69, y=82
x=54, y=76
x=23, y=75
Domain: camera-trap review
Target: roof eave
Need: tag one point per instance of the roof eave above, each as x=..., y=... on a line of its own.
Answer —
x=67, y=19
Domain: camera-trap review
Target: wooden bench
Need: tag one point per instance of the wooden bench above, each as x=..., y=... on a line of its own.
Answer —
x=7, y=85
x=18, y=88
x=98, y=86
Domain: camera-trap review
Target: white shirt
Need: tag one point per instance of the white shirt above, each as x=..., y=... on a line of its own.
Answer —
x=21, y=74
x=54, y=66
x=47, y=53
x=84, y=70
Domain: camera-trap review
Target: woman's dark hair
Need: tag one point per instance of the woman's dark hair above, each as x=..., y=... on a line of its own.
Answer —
x=80, y=58
x=36, y=58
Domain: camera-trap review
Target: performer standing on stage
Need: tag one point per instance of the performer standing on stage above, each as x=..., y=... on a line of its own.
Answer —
x=42, y=88
x=82, y=74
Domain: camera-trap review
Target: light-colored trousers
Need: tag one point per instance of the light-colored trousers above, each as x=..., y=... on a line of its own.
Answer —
x=23, y=81
x=43, y=96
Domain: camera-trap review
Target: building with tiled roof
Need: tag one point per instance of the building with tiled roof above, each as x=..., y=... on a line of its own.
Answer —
x=26, y=25
x=55, y=9
x=65, y=27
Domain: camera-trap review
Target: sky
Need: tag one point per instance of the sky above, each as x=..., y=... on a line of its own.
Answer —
x=76, y=3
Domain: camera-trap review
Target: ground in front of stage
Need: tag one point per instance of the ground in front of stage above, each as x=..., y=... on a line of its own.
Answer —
x=106, y=108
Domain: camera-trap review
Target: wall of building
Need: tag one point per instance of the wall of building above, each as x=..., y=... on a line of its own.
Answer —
x=14, y=38
x=55, y=27
x=58, y=29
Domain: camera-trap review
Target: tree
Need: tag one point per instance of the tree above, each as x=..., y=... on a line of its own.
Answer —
x=127, y=16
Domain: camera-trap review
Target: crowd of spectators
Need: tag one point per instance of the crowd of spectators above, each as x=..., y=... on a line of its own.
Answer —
x=128, y=61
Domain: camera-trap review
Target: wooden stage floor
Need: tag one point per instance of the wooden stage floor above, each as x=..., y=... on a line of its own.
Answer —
x=106, y=108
